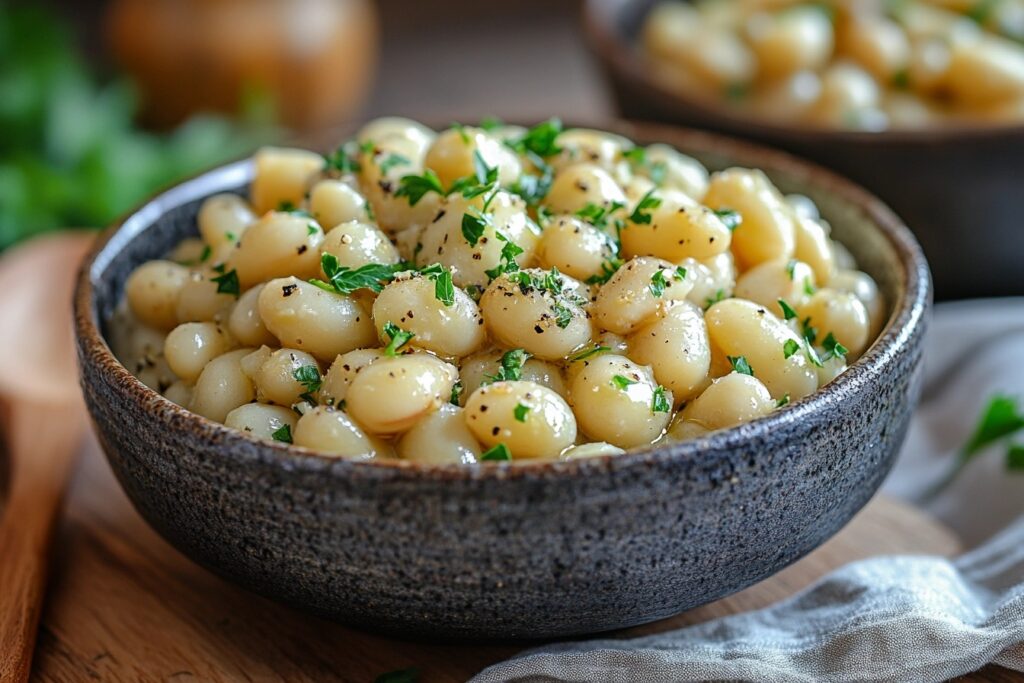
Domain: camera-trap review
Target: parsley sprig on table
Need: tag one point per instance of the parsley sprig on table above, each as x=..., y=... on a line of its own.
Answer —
x=1002, y=417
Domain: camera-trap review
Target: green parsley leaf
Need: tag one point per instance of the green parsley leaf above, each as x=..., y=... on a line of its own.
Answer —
x=507, y=264
x=309, y=377
x=813, y=356
x=787, y=311
x=1015, y=457
x=283, y=434
x=658, y=283
x=540, y=139
x=782, y=401
x=411, y=675
x=344, y=159
x=520, y=411
x=790, y=347
x=808, y=287
x=660, y=402
x=414, y=187
x=563, y=314
x=398, y=337
x=391, y=161
x=1000, y=418
x=636, y=156
x=228, y=283
x=456, y=392
x=510, y=367
x=608, y=268
x=490, y=123
x=740, y=365
x=598, y=214
x=711, y=301
x=621, y=382
x=533, y=189
x=345, y=280
x=809, y=333
x=791, y=269
x=312, y=228
x=588, y=353
x=640, y=214
x=901, y=79
x=444, y=288
x=498, y=452
x=833, y=347
x=982, y=10
x=731, y=219
x=473, y=228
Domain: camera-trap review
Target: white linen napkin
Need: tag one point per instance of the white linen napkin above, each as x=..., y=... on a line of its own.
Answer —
x=886, y=618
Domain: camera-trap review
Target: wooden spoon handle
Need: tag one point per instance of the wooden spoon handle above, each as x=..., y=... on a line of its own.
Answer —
x=42, y=442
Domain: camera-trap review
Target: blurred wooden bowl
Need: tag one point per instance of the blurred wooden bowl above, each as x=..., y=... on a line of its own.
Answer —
x=314, y=58
x=956, y=187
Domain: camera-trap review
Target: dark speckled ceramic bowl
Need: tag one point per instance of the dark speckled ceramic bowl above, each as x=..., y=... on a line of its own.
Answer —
x=514, y=551
x=957, y=187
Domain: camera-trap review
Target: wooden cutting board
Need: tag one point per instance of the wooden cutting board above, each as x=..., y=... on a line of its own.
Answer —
x=125, y=606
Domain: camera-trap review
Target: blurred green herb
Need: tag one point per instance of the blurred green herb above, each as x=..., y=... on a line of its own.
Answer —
x=1001, y=418
x=70, y=154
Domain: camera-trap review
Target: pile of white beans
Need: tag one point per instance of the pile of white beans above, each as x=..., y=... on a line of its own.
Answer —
x=635, y=298
x=849, y=64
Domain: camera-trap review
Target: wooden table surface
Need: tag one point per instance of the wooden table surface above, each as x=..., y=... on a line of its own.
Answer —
x=125, y=606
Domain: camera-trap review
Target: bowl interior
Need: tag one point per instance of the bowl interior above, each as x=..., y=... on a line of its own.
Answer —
x=882, y=246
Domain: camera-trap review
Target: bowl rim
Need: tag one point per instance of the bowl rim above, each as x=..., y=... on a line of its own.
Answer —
x=607, y=40
x=907, y=320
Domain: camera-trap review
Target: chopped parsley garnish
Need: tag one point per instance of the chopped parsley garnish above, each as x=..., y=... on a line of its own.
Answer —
x=791, y=347
x=289, y=207
x=621, y=383
x=791, y=269
x=283, y=434
x=490, y=123
x=641, y=214
x=413, y=187
x=636, y=156
x=598, y=214
x=740, y=365
x=731, y=219
x=808, y=287
x=809, y=333
x=588, y=353
x=540, y=140
x=507, y=264
x=656, y=170
x=309, y=377
x=660, y=402
x=813, y=357
x=659, y=282
x=497, y=452
x=533, y=189
x=228, y=283
x=787, y=311
x=473, y=227
x=391, y=161
x=345, y=159
x=345, y=280
x=444, y=288
x=901, y=79
x=782, y=401
x=312, y=228
x=456, y=392
x=206, y=254
x=563, y=314
x=520, y=411
x=712, y=300
x=833, y=347
x=398, y=337
x=608, y=268
x=510, y=367
x=982, y=10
